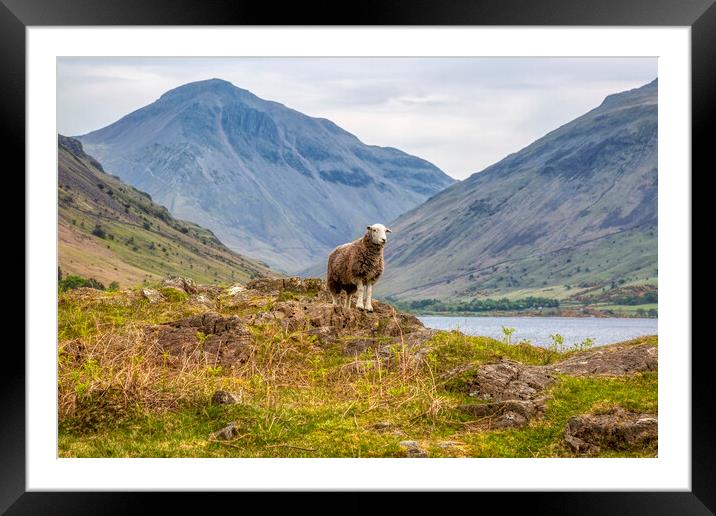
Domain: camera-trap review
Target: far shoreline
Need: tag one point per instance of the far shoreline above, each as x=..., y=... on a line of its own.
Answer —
x=573, y=314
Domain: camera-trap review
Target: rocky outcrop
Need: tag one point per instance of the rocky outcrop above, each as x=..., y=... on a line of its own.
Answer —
x=292, y=284
x=514, y=392
x=617, y=429
x=509, y=380
x=610, y=361
x=215, y=338
x=184, y=284
x=152, y=295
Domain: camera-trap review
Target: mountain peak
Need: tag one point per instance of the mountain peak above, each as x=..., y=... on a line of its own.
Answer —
x=648, y=92
x=268, y=180
x=212, y=86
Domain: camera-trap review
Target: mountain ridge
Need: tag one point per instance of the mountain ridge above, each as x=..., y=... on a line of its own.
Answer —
x=592, y=178
x=271, y=182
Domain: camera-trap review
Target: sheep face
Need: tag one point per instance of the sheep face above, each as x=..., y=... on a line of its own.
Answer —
x=378, y=234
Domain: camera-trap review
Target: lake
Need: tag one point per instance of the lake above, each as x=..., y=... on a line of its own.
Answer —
x=538, y=329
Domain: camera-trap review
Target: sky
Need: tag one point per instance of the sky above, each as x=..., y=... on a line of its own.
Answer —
x=462, y=114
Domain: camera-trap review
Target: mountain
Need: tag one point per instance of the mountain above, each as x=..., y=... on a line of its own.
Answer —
x=574, y=211
x=269, y=181
x=110, y=231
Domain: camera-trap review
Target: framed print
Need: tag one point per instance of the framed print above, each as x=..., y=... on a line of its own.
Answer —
x=419, y=249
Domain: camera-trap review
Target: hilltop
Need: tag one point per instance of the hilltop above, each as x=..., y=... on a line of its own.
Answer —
x=111, y=231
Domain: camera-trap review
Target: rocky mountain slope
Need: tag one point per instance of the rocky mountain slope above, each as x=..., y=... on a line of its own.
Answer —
x=271, y=182
x=110, y=231
x=575, y=210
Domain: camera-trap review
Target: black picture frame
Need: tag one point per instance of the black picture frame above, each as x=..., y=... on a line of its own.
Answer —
x=700, y=15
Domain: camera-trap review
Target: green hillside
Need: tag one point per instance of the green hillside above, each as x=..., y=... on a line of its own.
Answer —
x=111, y=231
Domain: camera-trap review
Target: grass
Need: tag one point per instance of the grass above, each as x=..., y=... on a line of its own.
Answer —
x=120, y=396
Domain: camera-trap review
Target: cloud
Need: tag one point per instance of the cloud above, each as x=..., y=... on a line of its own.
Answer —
x=462, y=114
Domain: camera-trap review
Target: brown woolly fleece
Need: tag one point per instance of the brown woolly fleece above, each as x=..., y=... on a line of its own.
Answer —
x=347, y=264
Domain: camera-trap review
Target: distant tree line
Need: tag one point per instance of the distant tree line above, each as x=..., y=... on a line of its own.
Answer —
x=645, y=299
x=477, y=305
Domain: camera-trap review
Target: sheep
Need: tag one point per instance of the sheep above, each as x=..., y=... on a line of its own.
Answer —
x=356, y=266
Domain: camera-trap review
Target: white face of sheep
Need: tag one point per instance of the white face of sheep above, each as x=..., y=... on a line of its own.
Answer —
x=378, y=234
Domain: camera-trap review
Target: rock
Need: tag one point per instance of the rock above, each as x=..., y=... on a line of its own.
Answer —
x=509, y=380
x=610, y=361
x=186, y=285
x=514, y=392
x=202, y=299
x=506, y=414
x=225, y=434
x=235, y=289
x=154, y=296
x=292, y=284
x=218, y=339
x=225, y=398
x=412, y=449
x=617, y=429
x=382, y=426
x=359, y=330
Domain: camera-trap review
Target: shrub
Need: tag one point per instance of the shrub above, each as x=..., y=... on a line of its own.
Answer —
x=99, y=232
x=72, y=281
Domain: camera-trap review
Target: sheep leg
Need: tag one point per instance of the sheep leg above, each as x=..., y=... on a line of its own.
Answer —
x=360, y=293
x=333, y=299
x=348, y=300
x=369, y=297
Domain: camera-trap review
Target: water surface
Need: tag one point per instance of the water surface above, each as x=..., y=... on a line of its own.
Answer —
x=538, y=329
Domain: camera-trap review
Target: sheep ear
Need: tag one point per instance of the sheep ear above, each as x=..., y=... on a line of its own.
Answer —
x=388, y=230
x=367, y=227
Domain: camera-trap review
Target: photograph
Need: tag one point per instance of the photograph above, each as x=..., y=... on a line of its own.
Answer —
x=357, y=257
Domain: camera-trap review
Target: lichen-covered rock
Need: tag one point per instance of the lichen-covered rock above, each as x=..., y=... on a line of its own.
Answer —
x=225, y=434
x=506, y=414
x=509, y=380
x=616, y=429
x=184, y=284
x=225, y=398
x=152, y=295
x=235, y=289
x=610, y=361
x=413, y=449
x=293, y=284
x=218, y=339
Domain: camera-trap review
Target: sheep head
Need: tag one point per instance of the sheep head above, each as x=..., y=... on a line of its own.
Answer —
x=377, y=234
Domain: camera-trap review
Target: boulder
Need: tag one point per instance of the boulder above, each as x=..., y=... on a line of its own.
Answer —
x=152, y=295
x=616, y=429
x=506, y=414
x=225, y=398
x=225, y=434
x=235, y=289
x=293, y=284
x=610, y=361
x=514, y=392
x=218, y=339
x=184, y=284
x=413, y=449
x=509, y=380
